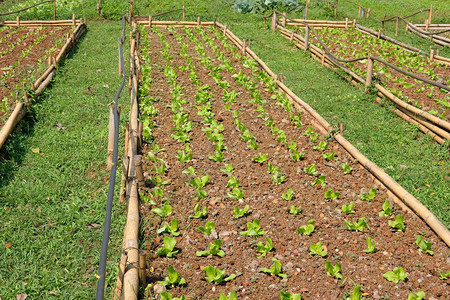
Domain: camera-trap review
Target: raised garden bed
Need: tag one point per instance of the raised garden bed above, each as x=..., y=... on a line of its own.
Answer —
x=204, y=108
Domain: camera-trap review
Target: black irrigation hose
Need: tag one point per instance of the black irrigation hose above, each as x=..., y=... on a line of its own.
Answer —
x=23, y=9
x=338, y=60
x=107, y=227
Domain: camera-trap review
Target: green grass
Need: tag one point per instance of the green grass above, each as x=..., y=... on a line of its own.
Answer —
x=411, y=158
x=52, y=205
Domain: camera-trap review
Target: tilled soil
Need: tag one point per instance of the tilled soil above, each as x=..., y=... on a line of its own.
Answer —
x=306, y=273
x=348, y=44
x=17, y=69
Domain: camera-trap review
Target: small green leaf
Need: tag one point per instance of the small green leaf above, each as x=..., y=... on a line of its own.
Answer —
x=395, y=275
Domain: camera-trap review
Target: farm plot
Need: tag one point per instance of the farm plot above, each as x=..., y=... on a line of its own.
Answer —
x=24, y=53
x=243, y=195
x=350, y=44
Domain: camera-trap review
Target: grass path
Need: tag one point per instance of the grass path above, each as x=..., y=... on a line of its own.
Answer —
x=52, y=203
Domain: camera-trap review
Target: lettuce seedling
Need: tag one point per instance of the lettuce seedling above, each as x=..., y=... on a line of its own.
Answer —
x=163, y=212
x=295, y=210
x=228, y=168
x=368, y=196
x=278, y=178
x=239, y=213
x=357, y=226
x=370, y=245
x=320, y=180
x=167, y=296
x=444, y=276
x=307, y=229
x=271, y=169
x=183, y=156
x=252, y=144
x=398, y=223
x=217, y=156
x=237, y=194
x=189, y=171
x=308, y=131
x=260, y=159
x=288, y=296
x=348, y=208
x=387, y=209
x=216, y=275
x=222, y=296
x=264, y=249
x=329, y=156
x=329, y=194
x=181, y=137
x=253, y=229
x=173, y=278
x=296, y=156
x=269, y=122
x=233, y=183
x=317, y=249
x=347, y=168
x=275, y=269
x=170, y=229
x=198, y=182
x=209, y=227
x=322, y=146
x=424, y=245
x=416, y=296
x=160, y=170
x=289, y=195
x=395, y=275
x=198, y=214
x=311, y=170
x=214, y=249
x=333, y=271
x=356, y=293
x=169, y=245
x=157, y=181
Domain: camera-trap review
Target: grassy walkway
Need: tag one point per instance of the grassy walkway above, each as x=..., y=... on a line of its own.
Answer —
x=52, y=203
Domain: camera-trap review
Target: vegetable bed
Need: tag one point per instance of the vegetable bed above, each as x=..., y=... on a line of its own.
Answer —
x=24, y=52
x=243, y=196
x=350, y=44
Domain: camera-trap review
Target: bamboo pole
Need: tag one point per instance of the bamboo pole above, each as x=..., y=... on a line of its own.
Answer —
x=274, y=21
x=139, y=171
x=243, y=47
x=397, y=189
x=74, y=22
x=283, y=19
x=124, y=179
x=45, y=83
x=149, y=21
x=369, y=72
x=436, y=130
x=431, y=54
x=184, y=15
x=119, y=283
x=396, y=27
x=306, y=38
x=346, y=23
x=9, y=126
x=43, y=76
x=54, y=10
x=433, y=119
x=198, y=21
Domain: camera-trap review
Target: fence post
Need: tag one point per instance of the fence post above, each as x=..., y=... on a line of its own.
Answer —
x=431, y=11
x=346, y=23
x=74, y=22
x=142, y=267
x=198, y=21
x=149, y=21
x=54, y=10
x=283, y=20
x=306, y=38
x=184, y=14
x=243, y=47
x=431, y=54
x=369, y=72
x=274, y=21
x=396, y=26
x=306, y=11
x=18, y=21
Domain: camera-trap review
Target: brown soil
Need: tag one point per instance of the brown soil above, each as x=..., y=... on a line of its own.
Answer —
x=18, y=72
x=306, y=273
x=419, y=94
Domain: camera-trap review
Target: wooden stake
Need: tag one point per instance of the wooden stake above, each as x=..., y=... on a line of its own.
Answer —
x=149, y=21
x=379, y=33
x=283, y=20
x=139, y=170
x=184, y=14
x=142, y=267
x=54, y=10
x=74, y=23
x=427, y=24
x=306, y=38
x=124, y=179
x=119, y=284
x=368, y=13
x=396, y=26
x=18, y=21
x=292, y=36
x=406, y=28
x=335, y=11
x=429, y=16
x=274, y=21
x=140, y=137
x=341, y=127
x=198, y=21
x=369, y=72
x=306, y=11
x=359, y=11
x=323, y=58
x=281, y=77
x=354, y=23
x=243, y=47
x=431, y=55
x=120, y=65
x=346, y=23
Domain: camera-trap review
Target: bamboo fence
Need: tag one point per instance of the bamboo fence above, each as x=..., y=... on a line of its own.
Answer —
x=134, y=267
x=42, y=82
x=431, y=125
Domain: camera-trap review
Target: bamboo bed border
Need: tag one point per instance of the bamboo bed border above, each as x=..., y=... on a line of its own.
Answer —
x=42, y=82
x=323, y=57
x=134, y=264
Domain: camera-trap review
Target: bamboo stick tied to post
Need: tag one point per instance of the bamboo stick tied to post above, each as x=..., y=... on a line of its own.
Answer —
x=198, y=21
x=274, y=21
x=74, y=23
x=369, y=72
x=184, y=13
x=243, y=47
x=142, y=267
